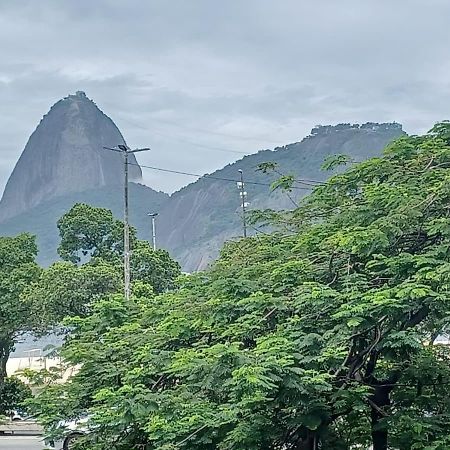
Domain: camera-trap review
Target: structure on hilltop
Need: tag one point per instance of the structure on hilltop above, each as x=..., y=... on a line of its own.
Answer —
x=373, y=126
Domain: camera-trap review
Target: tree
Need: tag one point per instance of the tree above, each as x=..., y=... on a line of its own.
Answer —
x=66, y=290
x=91, y=246
x=18, y=270
x=154, y=267
x=324, y=337
x=89, y=232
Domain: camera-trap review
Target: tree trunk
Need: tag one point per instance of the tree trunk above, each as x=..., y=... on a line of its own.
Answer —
x=309, y=443
x=379, y=435
x=6, y=346
x=379, y=399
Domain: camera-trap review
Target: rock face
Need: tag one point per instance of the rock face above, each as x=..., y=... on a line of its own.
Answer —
x=197, y=220
x=64, y=155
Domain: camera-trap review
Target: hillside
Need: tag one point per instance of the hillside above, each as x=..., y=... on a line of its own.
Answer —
x=196, y=220
x=42, y=219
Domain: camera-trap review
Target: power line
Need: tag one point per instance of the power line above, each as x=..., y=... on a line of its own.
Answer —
x=203, y=131
x=207, y=147
x=210, y=147
x=232, y=180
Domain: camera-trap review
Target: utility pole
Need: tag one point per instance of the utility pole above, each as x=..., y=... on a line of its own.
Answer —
x=244, y=204
x=153, y=217
x=125, y=150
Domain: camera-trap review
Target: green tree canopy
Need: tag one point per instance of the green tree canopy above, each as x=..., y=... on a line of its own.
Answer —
x=65, y=289
x=90, y=233
x=91, y=246
x=156, y=268
x=324, y=337
x=18, y=270
x=87, y=231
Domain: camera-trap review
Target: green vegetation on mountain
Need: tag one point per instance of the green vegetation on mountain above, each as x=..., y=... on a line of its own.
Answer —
x=323, y=337
x=41, y=221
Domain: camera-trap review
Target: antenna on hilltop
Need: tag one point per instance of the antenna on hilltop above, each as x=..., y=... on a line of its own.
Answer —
x=244, y=203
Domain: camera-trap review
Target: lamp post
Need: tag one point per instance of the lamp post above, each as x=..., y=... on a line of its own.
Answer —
x=125, y=150
x=153, y=217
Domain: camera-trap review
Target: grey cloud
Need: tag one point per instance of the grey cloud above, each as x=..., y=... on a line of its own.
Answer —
x=193, y=79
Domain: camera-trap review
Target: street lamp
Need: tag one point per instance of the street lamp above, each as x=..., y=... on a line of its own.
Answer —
x=125, y=150
x=153, y=216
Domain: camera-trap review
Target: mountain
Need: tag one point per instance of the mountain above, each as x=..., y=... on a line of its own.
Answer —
x=63, y=163
x=199, y=218
x=64, y=155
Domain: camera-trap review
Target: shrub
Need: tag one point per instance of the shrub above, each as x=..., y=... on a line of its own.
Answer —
x=13, y=393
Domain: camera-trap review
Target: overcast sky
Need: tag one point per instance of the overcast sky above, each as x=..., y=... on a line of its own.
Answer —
x=200, y=81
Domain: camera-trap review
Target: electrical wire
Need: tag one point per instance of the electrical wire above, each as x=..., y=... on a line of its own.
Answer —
x=189, y=142
x=202, y=130
x=210, y=147
x=257, y=183
x=207, y=147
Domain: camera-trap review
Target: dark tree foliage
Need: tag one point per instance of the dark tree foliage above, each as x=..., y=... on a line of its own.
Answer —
x=92, y=247
x=13, y=393
x=326, y=337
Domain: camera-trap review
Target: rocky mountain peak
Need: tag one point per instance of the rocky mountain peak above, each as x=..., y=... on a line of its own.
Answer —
x=65, y=155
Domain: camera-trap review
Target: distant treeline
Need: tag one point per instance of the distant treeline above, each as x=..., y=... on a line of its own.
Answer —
x=325, y=129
